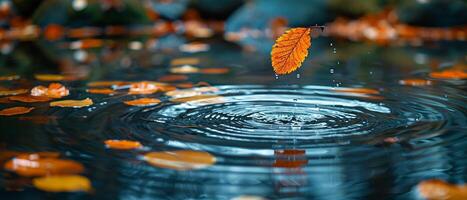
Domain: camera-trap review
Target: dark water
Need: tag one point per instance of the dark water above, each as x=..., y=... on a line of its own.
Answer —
x=309, y=135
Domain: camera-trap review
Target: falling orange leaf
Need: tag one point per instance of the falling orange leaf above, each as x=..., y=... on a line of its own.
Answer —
x=55, y=90
x=214, y=70
x=100, y=91
x=41, y=165
x=143, y=102
x=9, y=78
x=122, y=144
x=8, y=92
x=173, y=78
x=181, y=159
x=64, y=183
x=440, y=190
x=15, y=111
x=49, y=77
x=450, y=74
x=72, y=103
x=290, y=50
x=29, y=98
x=415, y=82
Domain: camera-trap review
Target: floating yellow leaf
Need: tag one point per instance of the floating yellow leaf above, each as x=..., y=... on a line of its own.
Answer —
x=42, y=164
x=415, y=82
x=68, y=183
x=72, y=103
x=122, y=144
x=180, y=160
x=15, y=111
x=100, y=91
x=184, y=61
x=55, y=90
x=440, y=190
x=9, y=77
x=49, y=77
x=450, y=74
x=290, y=50
x=143, y=102
x=8, y=92
x=29, y=98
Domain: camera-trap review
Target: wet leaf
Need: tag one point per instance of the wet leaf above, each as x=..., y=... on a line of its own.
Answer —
x=9, y=78
x=55, y=90
x=173, y=78
x=49, y=77
x=184, y=69
x=41, y=165
x=8, y=92
x=143, y=102
x=357, y=90
x=185, y=61
x=191, y=92
x=69, y=183
x=122, y=144
x=415, y=82
x=196, y=98
x=15, y=111
x=290, y=50
x=440, y=190
x=144, y=87
x=180, y=160
x=107, y=83
x=214, y=70
x=450, y=74
x=72, y=103
x=29, y=98
x=101, y=91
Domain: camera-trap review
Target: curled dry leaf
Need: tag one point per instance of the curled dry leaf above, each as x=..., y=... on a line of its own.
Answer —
x=101, y=91
x=290, y=50
x=122, y=144
x=180, y=160
x=415, y=82
x=63, y=183
x=55, y=90
x=29, y=98
x=8, y=92
x=30, y=165
x=15, y=111
x=143, y=102
x=9, y=77
x=72, y=103
x=440, y=190
x=450, y=74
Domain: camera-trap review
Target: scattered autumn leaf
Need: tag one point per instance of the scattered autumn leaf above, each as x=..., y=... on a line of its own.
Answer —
x=184, y=69
x=49, y=77
x=144, y=87
x=101, y=91
x=450, y=74
x=9, y=77
x=415, y=82
x=173, y=78
x=122, y=144
x=214, y=70
x=185, y=61
x=180, y=160
x=64, y=183
x=8, y=92
x=290, y=50
x=143, y=102
x=440, y=190
x=42, y=164
x=29, y=98
x=15, y=111
x=106, y=83
x=55, y=90
x=72, y=103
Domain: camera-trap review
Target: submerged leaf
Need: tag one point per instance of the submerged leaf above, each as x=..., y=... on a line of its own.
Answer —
x=69, y=183
x=143, y=102
x=290, y=50
x=72, y=103
x=122, y=144
x=180, y=160
x=15, y=111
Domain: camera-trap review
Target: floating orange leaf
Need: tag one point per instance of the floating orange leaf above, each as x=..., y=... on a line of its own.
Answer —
x=191, y=92
x=196, y=98
x=9, y=78
x=29, y=98
x=450, y=74
x=143, y=102
x=72, y=103
x=185, y=61
x=55, y=90
x=184, y=69
x=180, y=160
x=144, y=87
x=290, y=50
x=415, y=82
x=49, y=77
x=100, y=91
x=15, y=111
x=8, y=92
x=440, y=190
x=173, y=78
x=64, y=183
x=214, y=70
x=357, y=90
x=41, y=165
x=122, y=144
x=106, y=83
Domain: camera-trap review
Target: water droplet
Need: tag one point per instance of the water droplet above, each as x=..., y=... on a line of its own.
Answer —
x=331, y=71
x=371, y=72
x=338, y=62
x=330, y=44
x=277, y=76
x=334, y=50
x=298, y=75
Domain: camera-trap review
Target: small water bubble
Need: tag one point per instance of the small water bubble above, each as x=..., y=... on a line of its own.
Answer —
x=331, y=71
x=334, y=50
x=298, y=75
x=277, y=76
x=330, y=44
